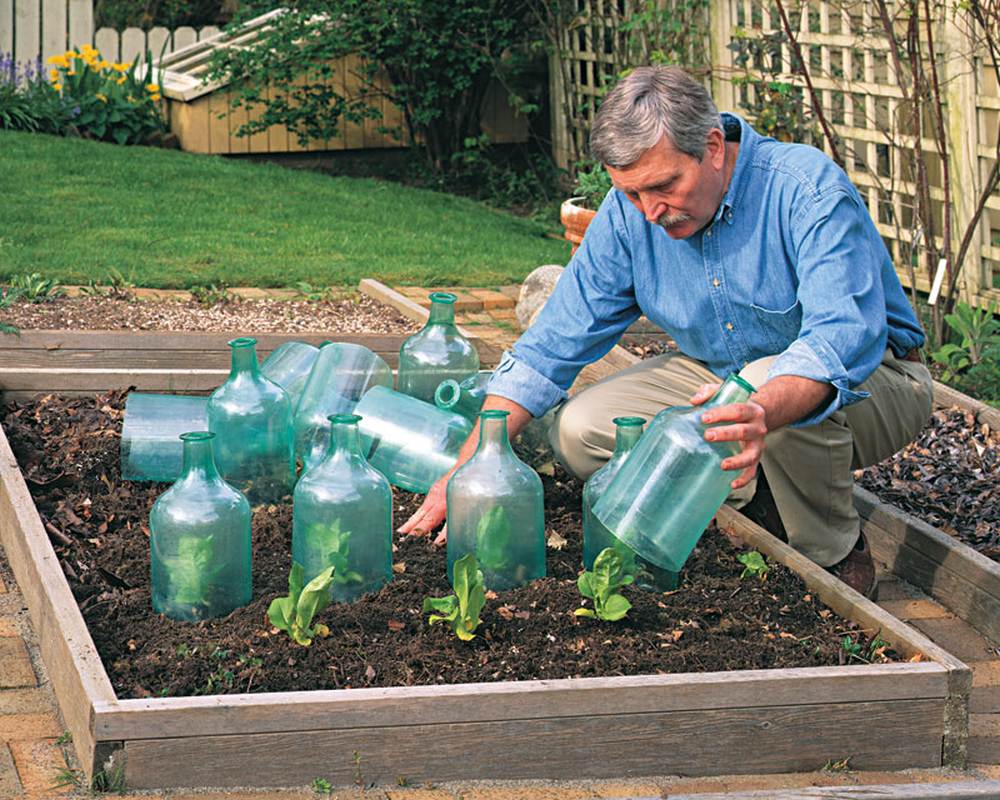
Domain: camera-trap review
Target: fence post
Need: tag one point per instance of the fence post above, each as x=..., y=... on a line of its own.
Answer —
x=720, y=24
x=81, y=22
x=959, y=80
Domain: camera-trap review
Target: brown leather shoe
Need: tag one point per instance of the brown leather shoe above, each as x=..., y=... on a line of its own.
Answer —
x=857, y=569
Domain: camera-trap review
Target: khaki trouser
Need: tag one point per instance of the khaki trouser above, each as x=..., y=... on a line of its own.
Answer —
x=809, y=469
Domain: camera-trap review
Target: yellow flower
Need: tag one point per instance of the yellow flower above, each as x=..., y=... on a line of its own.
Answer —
x=152, y=88
x=58, y=61
x=103, y=64
x=89, y=50
x=121, y=80
x=71, y=72
x=53, y=75
x=154, y=97
x=130, y=99
x=57, y=87
x=72, y=54
x=120, y=67
x=101, y=97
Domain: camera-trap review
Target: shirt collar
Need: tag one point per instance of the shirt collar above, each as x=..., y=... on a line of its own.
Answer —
x=737, y=183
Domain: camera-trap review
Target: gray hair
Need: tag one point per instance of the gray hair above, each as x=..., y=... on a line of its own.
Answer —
x=652, y=102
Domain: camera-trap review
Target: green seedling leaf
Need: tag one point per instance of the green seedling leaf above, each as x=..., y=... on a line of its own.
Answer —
x=192, y=572
x=601, y=584
x=493, y=539
x=461, y=610
x=334, y=545
x=753, y=565
x=294, y=614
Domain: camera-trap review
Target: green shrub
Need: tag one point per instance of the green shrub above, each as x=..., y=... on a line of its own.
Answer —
x=592, y=183
x=115, y=104
x=972, y=364
x=27, y=101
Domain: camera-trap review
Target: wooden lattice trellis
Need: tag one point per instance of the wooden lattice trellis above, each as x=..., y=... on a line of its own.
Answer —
x=851, y=71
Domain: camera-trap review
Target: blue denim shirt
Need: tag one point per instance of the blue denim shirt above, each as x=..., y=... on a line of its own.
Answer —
x=791, y=265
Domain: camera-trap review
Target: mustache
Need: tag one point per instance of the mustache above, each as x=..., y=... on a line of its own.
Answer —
x=668, y=220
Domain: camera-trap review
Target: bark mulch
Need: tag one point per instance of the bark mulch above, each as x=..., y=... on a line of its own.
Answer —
x=352, y=314
x=68, y=451
x=949, y=477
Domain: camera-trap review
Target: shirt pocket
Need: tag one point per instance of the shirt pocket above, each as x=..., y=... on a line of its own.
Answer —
x=779, y=328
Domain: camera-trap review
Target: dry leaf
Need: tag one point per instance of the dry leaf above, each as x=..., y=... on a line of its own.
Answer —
x=555, y=541
x=399, y=567
x=677, y=634
x=916, y=657
x=491, y=595
x=396, y=625
x=506, y=613
x=370, y=672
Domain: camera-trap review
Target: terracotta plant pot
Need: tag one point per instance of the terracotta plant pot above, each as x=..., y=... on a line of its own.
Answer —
x=575, y=218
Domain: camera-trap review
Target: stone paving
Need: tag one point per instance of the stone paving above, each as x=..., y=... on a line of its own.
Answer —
x=36, y=761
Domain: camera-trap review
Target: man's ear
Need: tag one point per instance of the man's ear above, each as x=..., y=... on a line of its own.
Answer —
x=715, y=148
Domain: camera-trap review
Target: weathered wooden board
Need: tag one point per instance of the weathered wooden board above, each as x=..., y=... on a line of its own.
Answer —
x=951, y=790
x=753, y=740
x=75, y=669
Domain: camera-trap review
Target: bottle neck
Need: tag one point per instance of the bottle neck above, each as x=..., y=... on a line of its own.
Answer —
x=197, y=460
x=345, y=440
x=493, y=436
x=441, y=313
x=625, y=438
x=244, y=361
x=733, y=390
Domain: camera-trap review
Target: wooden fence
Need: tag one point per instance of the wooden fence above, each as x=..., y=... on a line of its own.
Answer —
x=37, y=29
x=849, y=61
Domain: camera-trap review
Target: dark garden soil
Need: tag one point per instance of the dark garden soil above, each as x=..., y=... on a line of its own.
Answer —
x=949, y=477
x=68, y=451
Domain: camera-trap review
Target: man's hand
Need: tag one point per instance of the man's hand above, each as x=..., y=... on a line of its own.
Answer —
x=749, y=430
x=434, y=509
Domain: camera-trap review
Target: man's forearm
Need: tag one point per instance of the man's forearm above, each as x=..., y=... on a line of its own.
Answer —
x=516, y=422
x=789, y=398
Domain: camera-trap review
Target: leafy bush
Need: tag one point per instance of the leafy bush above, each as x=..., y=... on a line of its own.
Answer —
x=34, y=288
x=972, y=365
x=601, y=585
x=592, y=183
x=436, y=61
x=115, y=104
x=27, y=102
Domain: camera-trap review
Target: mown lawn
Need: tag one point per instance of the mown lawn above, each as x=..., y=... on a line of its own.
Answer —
x=74, y=210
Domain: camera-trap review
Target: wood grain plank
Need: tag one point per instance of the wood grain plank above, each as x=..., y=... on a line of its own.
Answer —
x=74, y=667
x=759, y=740
x=963, y=580
x=952, y=790
x=171, y=340
x=525, y=700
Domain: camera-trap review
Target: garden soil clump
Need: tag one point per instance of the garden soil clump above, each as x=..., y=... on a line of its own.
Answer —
x=949, y=477
x=98, y=524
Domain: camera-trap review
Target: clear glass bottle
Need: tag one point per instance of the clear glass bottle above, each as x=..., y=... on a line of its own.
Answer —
x=436, y=352
x=671, y=483
x=342, y=516
x=343, y=372
x=289, y=365
x=409, y=441
x=252, y=419
x=595, y=536
x=495, y=510
x=199, y=538
x=465, y=398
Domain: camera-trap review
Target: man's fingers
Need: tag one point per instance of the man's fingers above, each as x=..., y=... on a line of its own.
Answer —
x=745, y=477
x=705, y=391
x=442, y=538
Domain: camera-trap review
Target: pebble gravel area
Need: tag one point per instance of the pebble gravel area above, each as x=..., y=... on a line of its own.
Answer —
x=356, y=314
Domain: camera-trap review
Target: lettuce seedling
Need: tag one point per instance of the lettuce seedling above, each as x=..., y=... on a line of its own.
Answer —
x=192, y=572
x=493, y=539
x=334, y=544
x=753, y=565
x=461, y=610
x=602, y=584
x=294, y=614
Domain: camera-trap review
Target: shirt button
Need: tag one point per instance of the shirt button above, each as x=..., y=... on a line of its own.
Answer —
x=729, y=216
x=708, y=234
x=729, y=326
x=716, y=282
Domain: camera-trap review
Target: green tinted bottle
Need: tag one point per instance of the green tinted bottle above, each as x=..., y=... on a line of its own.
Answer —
x=595, y=536
x=199, y=537
x=466, y=397
x=495, y=510
x=436, y=352
x=342, y=516
x=672, y=482
x=252, y=419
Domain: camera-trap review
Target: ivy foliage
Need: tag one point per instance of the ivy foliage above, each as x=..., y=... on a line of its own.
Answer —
x=433, y=60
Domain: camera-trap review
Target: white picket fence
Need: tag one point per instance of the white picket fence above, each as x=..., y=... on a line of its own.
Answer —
x=37, y=29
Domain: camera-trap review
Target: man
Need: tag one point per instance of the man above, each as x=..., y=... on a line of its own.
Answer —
x=756, y=257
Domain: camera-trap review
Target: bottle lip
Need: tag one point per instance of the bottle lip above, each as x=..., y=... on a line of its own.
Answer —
x=443, y=297
x=629, y=422
x=197, y=436
x=447, y=392
x=242, y=341
x=344, y=419
x=743, y=382
x=494, y=413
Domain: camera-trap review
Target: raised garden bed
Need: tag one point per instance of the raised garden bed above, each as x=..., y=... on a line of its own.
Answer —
x=771, y=720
